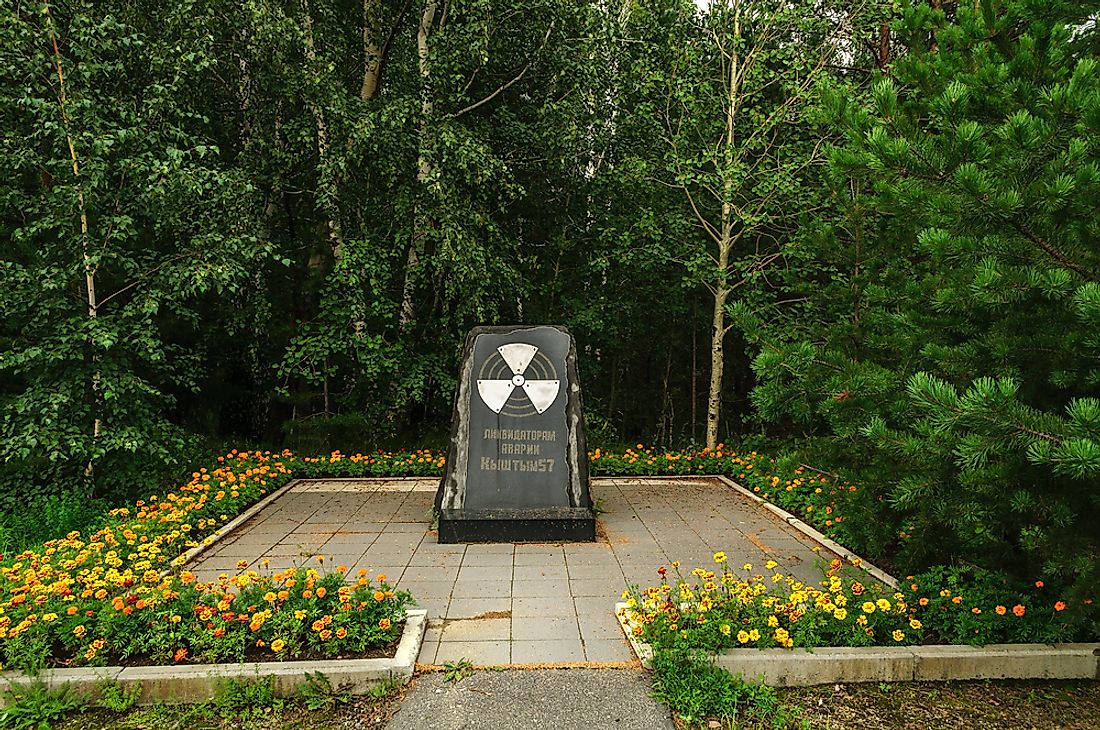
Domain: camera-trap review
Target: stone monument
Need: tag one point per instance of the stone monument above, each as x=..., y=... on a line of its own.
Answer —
x=517, y=468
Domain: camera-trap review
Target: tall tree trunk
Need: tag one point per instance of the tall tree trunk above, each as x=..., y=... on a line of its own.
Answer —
x=726, y=239
x=328, y=186
x=372, y=51
x=85, y=252
x=423, y=163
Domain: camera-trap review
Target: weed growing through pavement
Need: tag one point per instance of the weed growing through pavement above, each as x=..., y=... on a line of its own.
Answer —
x=457, y=670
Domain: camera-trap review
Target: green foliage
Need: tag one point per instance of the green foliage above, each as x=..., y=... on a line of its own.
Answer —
x=116, y=698
x=120, y=219
x=696, y=691
x=36, y=707
x=456, y=671
x=944, y=344
x=318, y=693
x=44, y=517
x=245, y=697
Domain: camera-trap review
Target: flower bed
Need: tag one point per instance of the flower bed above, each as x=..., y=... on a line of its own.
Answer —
x=715, y=609
x=119, y=593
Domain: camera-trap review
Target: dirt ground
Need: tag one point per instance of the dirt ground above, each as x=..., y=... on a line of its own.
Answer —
x=972, y=705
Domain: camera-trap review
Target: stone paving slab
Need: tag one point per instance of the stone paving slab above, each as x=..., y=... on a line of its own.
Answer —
x=564, y=699
x=505, y=603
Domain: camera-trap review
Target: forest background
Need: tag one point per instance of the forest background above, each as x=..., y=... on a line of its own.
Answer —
x=862, y=233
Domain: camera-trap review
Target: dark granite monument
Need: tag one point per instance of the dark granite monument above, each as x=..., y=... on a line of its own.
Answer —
x=517, y=469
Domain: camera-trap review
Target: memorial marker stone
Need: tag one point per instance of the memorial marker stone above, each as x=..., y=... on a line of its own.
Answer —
x=517, y=468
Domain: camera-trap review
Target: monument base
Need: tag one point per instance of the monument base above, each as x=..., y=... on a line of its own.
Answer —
x=548, y=524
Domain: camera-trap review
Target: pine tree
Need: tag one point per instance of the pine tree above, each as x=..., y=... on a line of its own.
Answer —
x=958, y=369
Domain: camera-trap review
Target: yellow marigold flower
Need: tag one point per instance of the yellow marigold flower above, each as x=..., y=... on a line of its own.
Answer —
x=269, y=597
x=725, y=629
x=719, y=557
x=773, y=621
x=915, y=624
x=898, y=635
x=840, y=614
x=883, y=604
x=743, y=637
x=299, y=614
x=746, y=566
x=868, y=607
x=771, y=565
x=278, y=645
x=754, y=635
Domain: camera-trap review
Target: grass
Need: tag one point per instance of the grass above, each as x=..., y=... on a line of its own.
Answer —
x=367, y=712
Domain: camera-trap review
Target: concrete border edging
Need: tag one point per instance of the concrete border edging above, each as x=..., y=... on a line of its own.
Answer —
x=195, y=683
x=939, y=663
x=222, y=532
x=811, y=533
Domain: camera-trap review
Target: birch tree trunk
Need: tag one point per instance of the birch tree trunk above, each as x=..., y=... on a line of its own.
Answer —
x=726, y=240
x=326, y=183
x=372, y=51
x=423, y=163
x=85, y=250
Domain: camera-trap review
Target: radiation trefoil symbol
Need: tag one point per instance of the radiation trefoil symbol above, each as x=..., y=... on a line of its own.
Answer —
x=518, y=365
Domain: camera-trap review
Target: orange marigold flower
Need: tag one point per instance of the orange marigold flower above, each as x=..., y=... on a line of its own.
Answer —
x=1060, y=606
x=341, y=632
x=379, y=596
x=1039, y=584
x=1001, y=610
x=321, y=592
x=1019, y=610
x=318, y=625
x=384, y=624
x=181, y=654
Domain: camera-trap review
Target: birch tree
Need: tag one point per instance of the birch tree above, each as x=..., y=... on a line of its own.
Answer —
x=738, y=148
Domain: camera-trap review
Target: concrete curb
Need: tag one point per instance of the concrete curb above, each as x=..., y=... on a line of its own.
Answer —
x=831, y=545
x=196, y=683
x=222, y=532
x=829, y=665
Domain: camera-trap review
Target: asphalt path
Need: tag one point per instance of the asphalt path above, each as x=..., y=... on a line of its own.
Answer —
x=564, y=699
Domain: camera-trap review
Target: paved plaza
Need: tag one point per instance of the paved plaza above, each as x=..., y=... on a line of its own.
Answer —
x=508, y=603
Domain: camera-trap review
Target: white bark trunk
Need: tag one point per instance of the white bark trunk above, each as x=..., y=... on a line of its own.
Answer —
x=726, y=239
x=335, y=233
x=372, y=53
x=423, y=162
x=85, y=244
